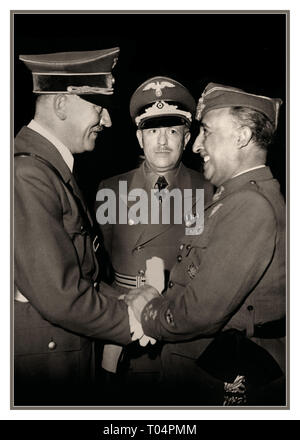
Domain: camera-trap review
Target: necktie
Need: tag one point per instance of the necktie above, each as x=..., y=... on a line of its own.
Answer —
x=161, y=183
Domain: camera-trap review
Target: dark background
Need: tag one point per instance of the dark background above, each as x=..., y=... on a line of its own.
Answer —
x=242, y=50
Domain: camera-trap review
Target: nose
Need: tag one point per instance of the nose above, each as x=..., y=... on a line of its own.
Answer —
x=105, y=118
x=162, y=136
x=198, y=144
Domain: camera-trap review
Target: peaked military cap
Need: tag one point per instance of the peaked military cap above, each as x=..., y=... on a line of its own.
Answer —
x=161, y=101
x=87, y=74
x=220, y=96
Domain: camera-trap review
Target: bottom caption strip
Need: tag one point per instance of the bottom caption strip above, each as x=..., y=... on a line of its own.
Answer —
x=133, y=431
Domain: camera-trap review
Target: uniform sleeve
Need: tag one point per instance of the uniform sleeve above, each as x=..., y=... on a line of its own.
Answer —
x=231, y=263
x=47, y=267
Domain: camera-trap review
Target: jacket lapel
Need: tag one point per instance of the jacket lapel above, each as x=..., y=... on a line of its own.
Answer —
x=238, y=182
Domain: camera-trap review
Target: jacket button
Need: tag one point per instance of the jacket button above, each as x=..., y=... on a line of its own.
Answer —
x=253, y=182
x=141, y=272
x=188, y=247
x=52, y=345
x=250, y=308
x=96, y=285
x=138, y=248
x=181, y=247
x=179, y=258
x=171, y=284
x=81, y=228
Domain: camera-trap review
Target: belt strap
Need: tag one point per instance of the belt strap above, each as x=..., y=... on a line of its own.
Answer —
x=129, y=281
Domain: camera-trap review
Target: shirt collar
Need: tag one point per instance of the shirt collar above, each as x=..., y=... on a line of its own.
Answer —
x=249, y=169
x=63, y=150
x=170, y=176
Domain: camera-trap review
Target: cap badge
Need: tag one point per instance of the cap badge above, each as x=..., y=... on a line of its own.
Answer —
x=158, y=86
x=168, y=109
x=192, y=270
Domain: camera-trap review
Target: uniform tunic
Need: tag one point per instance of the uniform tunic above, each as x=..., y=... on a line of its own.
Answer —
x=232, y=276
x=130, y=245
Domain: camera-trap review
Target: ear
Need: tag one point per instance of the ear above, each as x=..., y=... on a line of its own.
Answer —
x=187, y=137
x=244, y=136
x=139, y=135
x=59, y=105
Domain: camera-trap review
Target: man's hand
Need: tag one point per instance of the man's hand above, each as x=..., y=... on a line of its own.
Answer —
x=136, y=299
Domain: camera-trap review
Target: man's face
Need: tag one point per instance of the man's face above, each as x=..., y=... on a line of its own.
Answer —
x=83, y=123
x=163, y=146
x=217, y=144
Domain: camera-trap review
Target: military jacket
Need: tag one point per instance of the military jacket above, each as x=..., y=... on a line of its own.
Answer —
x=56, y=270
x=130, y=245
x=230, y=276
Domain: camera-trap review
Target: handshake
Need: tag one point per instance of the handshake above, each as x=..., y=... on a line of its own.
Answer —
x=136, y=299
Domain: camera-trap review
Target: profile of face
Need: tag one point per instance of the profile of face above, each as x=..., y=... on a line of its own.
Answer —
x=83, y=122
x=218, y=144
x=163, y=146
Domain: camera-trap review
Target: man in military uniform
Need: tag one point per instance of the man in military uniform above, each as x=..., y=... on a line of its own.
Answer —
x=162, y=110
x=60, y=308
x=222, y=317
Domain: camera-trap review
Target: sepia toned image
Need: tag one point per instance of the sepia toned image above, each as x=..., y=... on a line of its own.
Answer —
x=150, y=193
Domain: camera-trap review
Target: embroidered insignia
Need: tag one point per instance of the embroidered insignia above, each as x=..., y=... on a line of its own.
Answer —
x=215, y=209
x=158, y=86
x=200, y=107
x=153, y=314
x=192, y=270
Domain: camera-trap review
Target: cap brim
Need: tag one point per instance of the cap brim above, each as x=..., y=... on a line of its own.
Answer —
x=163, y=121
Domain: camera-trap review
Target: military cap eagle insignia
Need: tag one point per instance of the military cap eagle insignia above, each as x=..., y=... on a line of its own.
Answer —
x=158, y=86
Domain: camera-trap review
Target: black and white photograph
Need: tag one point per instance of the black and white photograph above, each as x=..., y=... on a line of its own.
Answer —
x=150, y=185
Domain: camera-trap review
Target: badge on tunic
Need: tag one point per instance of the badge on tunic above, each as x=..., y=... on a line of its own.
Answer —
x=192, y=270
x=169, y=318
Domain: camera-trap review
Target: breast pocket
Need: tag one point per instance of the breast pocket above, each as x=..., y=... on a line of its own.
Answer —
x=194, y=252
